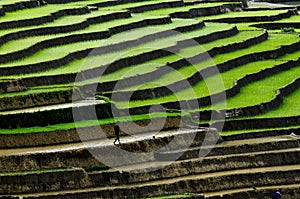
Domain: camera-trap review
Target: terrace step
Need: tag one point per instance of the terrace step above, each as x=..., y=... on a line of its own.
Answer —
x=25, y=22
x=52, y=28
x=255, y=133
x=7, y=102
x=29, y=21
x=156, y=5
x=62, y=39
x=195, y=77
x=143, y=172
x=288, y=191
x=229, y=156
x=231, y=167
x=233, y=147
x=195, y=183
x=52, y=114
x=261, y=123
x=197, y=10
x=209, y=164
x=38, y=157
x=206, y=100
x=91, y=3
x=245, y=19
x=54, y=107
x=48, y=29
x=106, y=47
x=261, y=107
x=198, y=56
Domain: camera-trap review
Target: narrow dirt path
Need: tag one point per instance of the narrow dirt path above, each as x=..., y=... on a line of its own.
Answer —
x=90, y=144
x=53, y=107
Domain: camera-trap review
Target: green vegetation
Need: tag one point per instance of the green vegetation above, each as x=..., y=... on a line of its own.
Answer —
x=187, y=71
x=136, y=4
x=23, y=43
x=61, y=51
x=251, y=94
x=39, y=104
x=263, y=90
x=34, y=12
x=288, y=30
x=168, y=11
x=244, y=14
x=289, y=107
x=88, y=123
x=61, y=21
x=215, y=80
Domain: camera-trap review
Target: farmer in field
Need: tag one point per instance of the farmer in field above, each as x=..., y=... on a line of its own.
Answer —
x=276, y=195
x=117, y=133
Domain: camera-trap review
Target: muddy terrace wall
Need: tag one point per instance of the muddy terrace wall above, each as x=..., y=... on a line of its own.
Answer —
x=92, y=133
x=54, y=116
x=258, y=134
x=41, y=161
x=227, y=150
x=13, y=85
x=83, y=158
x=41, y=182
x=276, y=25
x=176, y=169
x=37, y=99
x=195, y=166
x=193, y=185
x=200, y=185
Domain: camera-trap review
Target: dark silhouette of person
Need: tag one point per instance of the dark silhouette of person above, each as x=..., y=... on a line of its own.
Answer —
x=117, y=133
x=276, y=195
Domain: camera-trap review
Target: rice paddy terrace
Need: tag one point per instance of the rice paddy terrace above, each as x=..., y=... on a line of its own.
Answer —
x=206, y=94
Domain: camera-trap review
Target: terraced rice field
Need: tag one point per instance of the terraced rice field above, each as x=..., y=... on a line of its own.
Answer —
x=206, y=94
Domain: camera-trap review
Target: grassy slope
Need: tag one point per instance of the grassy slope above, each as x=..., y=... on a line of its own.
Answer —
x=270, y=84
x=34, y=12
x=23, y=43
x=201, y=88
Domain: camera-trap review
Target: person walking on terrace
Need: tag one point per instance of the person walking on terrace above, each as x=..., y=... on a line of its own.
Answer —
x=117, y=133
